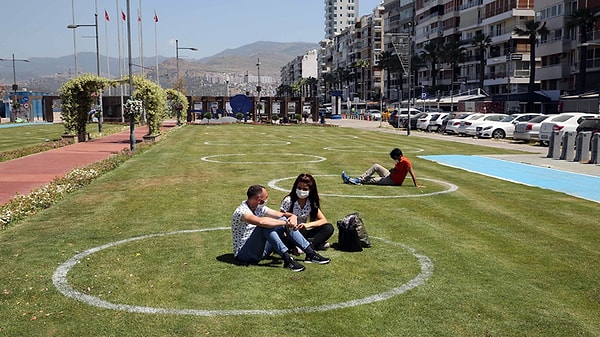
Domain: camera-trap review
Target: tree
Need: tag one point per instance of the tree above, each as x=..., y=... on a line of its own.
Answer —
x=431, y=56
x=362, y=64
x=532, y=30
x=390, y=62
x=312, y=82
x=482, y=42
x=584, y=19
x=453, y=53
x=284, y=90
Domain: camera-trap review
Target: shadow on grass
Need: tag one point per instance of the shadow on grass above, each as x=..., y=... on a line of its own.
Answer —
x=269, y=261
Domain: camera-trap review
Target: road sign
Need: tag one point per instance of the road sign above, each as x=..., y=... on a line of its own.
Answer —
x=514, y=57
x=424, y=95
x=26, y=105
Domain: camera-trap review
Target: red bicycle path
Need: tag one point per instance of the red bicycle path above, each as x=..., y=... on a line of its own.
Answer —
x=23, y=175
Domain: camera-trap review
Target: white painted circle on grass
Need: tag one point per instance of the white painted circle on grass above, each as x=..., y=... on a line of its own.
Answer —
x=271, y=143
x=59, y=279
x=258, y=156
x=451, y=188
x=369, y=149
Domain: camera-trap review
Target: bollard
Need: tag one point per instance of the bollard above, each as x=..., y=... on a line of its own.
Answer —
x=595, y=148
x=568, y=146
x=583, y=146
x=554, y=145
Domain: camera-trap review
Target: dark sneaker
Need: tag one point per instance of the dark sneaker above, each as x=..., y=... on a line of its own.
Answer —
x=316, y=258
x=294, y=265
x=345, y=177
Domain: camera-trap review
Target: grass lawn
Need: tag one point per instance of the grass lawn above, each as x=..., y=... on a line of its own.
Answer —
x=29, y=135
x=506, y=259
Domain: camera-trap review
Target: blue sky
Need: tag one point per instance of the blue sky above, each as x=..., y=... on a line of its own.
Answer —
x=38, y=28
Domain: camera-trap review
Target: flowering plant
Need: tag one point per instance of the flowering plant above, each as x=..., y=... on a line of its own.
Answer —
x=177, y=105
x=133, y=107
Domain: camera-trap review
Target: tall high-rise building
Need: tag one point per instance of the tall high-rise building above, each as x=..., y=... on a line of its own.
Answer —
x=339, y=14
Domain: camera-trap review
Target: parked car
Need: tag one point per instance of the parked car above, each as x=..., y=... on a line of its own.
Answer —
x=589, y=124
x=453, y=124
x=399, y=118
x=566, y=122
x=503, y=128
x=374, y=115
x=423, y=121
x=435, y=123
x=449, y=117
x=530, y=129
x=469, y=127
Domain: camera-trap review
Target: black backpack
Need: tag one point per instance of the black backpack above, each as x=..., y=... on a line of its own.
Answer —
x=352, y=234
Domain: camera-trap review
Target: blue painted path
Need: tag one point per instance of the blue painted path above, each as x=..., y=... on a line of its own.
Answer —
x=575, y=184
x=12, y=125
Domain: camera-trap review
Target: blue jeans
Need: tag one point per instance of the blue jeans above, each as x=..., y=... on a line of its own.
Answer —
x=264, y=241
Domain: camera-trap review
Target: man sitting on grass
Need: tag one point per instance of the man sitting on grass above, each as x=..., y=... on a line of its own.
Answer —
x=393, y=177
x=256, y=231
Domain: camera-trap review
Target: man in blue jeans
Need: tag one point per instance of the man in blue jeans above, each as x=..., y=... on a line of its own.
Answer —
x=256, y=230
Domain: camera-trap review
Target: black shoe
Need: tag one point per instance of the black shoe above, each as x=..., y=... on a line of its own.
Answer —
x=293, y=265
x=316, y=258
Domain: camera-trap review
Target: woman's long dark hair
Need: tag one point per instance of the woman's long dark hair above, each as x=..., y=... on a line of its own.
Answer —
x=313, y=196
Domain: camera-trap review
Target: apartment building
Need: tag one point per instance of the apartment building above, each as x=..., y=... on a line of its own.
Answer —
x=339, y=14
x=348, y=61
x=303, y=66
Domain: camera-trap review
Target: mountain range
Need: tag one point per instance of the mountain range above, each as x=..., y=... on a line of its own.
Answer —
x=206, y=76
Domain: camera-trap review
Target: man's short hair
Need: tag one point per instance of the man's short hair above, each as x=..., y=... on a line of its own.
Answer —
x=254, y=190
x=396, y=153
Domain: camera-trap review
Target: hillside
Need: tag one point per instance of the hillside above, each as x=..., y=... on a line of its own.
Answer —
x=201, y=76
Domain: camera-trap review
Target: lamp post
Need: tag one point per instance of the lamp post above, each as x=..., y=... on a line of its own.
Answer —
x=258, y=88
x=177, y=48
x=406, y=64
x=95, y=25
x=14, y=86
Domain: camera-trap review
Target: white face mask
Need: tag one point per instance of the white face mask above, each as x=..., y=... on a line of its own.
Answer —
x=302, y=194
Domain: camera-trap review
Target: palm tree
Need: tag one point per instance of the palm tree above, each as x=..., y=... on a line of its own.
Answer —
x=453, y=53
x=390, y=62
x=431, y=56
x=532, y=30
x=584, y=19
x=311, y=83
x=362, y=64
x=284, y=90
x=481, y=42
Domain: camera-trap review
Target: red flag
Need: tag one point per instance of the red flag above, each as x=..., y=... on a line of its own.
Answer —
x=155, y=17
x=106, y=15
x=139, y=18
x=123, y=16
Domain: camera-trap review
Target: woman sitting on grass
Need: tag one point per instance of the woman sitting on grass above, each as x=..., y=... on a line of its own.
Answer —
x=303, y=201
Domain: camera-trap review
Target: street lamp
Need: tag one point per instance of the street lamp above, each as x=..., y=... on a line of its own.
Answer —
x=406, y=64
x=75, y=26
x=14, y=86
x=177, y=48
x=258, y=88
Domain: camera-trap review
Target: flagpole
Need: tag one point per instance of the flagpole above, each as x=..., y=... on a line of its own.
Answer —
x=141, y=39
x=106, y=19
x=120, y=62
x=156, y=47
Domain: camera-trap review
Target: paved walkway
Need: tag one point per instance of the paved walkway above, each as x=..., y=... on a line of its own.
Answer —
x=25, y=174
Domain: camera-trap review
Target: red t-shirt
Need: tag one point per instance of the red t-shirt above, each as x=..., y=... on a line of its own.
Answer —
x=400, y=170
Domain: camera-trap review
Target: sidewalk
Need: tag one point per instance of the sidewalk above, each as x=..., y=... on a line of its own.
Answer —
x=25, y=174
